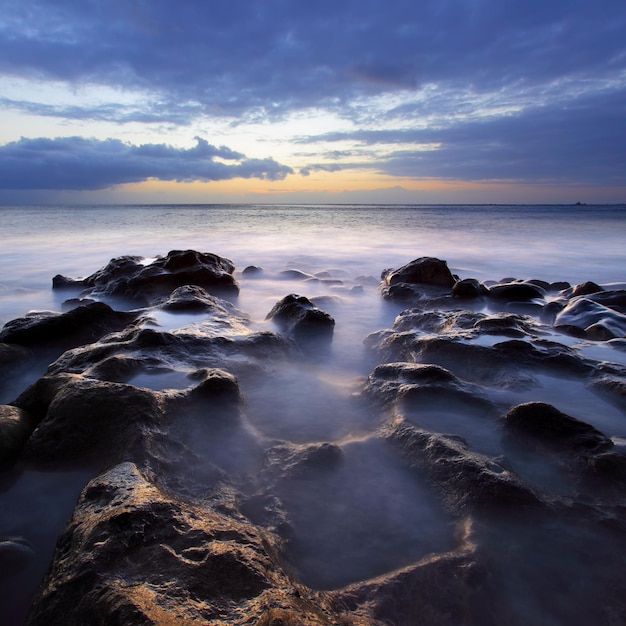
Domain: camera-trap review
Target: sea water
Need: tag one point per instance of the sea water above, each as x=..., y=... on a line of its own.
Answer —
x=346, y=245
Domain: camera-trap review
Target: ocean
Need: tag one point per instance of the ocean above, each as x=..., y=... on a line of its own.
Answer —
x=350, y=245
x=573, y=243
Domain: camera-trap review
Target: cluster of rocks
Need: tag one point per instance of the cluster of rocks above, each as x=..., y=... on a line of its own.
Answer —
x=187, y=518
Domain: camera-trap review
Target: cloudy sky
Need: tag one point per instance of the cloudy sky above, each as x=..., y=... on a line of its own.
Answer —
x=325, y=101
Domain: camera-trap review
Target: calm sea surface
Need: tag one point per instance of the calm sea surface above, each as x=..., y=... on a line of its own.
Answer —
x=304, y=402
x=572, y=243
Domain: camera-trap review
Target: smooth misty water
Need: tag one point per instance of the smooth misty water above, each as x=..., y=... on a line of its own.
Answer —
x=312, y=401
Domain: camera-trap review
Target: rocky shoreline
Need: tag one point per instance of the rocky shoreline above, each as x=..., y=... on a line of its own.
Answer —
x=497, y=512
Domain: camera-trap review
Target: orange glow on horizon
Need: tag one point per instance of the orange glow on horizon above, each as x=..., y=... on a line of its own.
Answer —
x=351, y=185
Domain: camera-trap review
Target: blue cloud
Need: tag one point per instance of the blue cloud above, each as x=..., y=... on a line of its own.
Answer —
x=581, y=141
x=279, y=54
x=78, y=163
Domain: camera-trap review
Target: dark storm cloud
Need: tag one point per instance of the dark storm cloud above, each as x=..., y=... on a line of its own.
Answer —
x=279, y=54
x=77, y=163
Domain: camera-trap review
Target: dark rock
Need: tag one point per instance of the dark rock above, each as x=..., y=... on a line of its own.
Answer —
x=63, y=282
x=612, y=387
x=16, y=554
x=598, y=322
x=73, y=303
x=516, y=292
x=15, y=428
x=36, y=399
x=547, y=424
x=444, y=590
x=424, y=385
x=90, y=420
x=469, y=288
x=422, y=271
x=450, y=323
x=288, y=461
x=551, y=310
x=132, y=554
x=542, y=284
x=295, y=275
x=217, y=386
x=585, y=289
x=299, y=317
x=615, y=300
x=561, y=285
x=252, y=271
x=129, y=277
x=506, y=325
x=190, y=298
x=84, y=324
x=11, y=356
x=465, y=479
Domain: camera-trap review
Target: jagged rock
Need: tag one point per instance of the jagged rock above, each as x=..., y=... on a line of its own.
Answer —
x=81, y=325
x=133, y=554
x=128, y=276
x=191, y=298
x=300, y=318
x=466, y=480
x=424, y=385
x=546, y=424
x=287, y=461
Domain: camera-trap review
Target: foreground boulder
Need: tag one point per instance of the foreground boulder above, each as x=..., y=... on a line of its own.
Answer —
x=132, y=554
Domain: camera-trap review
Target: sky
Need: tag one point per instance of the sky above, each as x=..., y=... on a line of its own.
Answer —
x=379, y=101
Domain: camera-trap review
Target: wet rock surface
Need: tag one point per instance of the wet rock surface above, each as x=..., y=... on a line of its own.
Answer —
x=131, y=277
x=430, y=491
